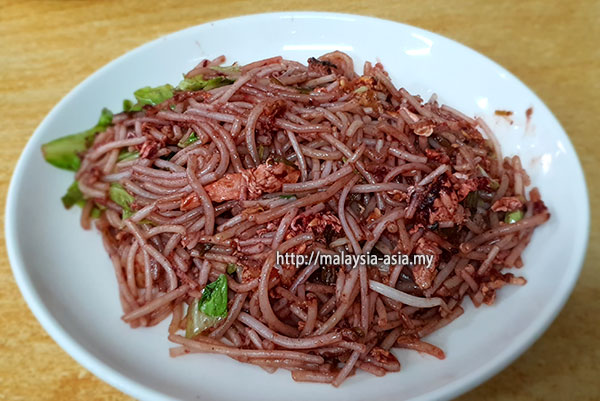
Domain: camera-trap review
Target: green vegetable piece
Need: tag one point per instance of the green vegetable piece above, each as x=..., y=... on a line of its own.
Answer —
x=513, y=217
x=205, y=248
x=214, y=298
x=127, y=213
x=482, y=171
x=106, y=117
x=198, y=321
x=472, y=200
x=121, y=197
x=228, y=69
x=188, y=141
x=217, y=83
x=153, y=96
x=209, y=310
x=276, y=81
x=198, y=83
x=231, y=268
x=127, y=156
x=64, y=152
x=127, y=105
x=73, y=196
x=261, y=152
x=148, y=96
x=493, y=183
x=361, y=89
x=285, y=161
x=96, y=212
x=286, y=196
x=192, y=84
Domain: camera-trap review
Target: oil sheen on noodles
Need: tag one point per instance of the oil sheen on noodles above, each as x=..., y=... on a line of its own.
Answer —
x=194, y=195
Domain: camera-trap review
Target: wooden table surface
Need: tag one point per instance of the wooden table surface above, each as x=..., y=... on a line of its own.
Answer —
x=48, y=47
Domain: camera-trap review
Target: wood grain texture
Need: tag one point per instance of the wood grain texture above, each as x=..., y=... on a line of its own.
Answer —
x=48, y=47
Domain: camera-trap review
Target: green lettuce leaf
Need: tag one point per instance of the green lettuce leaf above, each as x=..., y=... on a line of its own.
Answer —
x=64, y=152
x=153, y=96
x=96, y=212
x=493, y=183
x=197, y=321
x=188, y=141
x=209, y=310
x=214, y=298
x=148, y=96
x=73, y=196
x=129, y=106
x=233, y=69
x=121, y=197
x=126, y=156
x=231, y=268
x=198, y=83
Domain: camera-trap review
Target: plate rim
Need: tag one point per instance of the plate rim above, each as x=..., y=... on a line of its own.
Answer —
x=130, y=386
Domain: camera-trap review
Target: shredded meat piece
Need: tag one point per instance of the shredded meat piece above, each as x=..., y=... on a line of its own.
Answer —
x=379, y=172
x=507, y=204
x=423, y=274
x=336, y=62
x=270, y=227
x=286, y=272
x=363, y=91
x=382, y=356
x=148, y=149
x=320, y=224
x=266, y=178
x=488, y=289
x=423, y=128
x=437, y=156
x=321, y=66
x=515, y=280
x=349, y=334
x=414, y=118
x=374, y=215
x=446, y=208
x=273, y=110
x=251, y=184
x=464, y=187
x=400, y=196
x=250, y=269
x=437, y=203
x=369, y=82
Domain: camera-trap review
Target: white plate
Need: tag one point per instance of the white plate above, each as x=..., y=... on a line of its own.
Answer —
x=68, y=282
